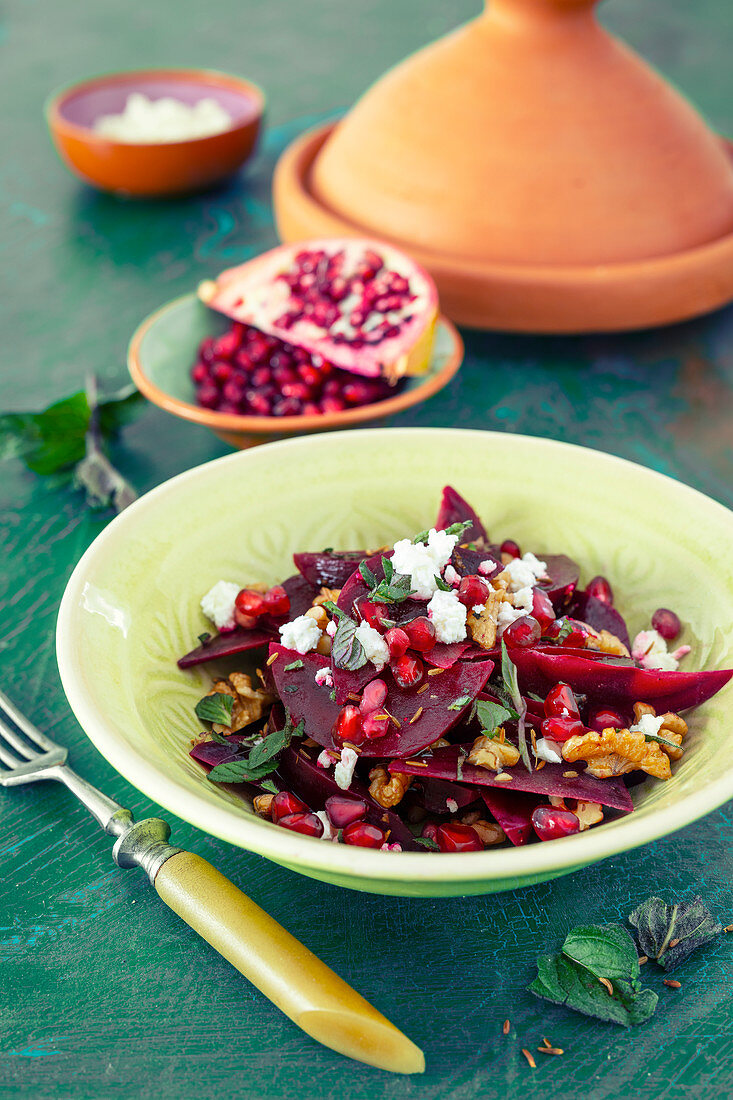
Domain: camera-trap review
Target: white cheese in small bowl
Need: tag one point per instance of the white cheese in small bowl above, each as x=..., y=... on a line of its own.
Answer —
x=145, y=121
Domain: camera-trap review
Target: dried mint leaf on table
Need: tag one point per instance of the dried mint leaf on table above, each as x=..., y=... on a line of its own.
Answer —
x=670, y=933
x=592, y=958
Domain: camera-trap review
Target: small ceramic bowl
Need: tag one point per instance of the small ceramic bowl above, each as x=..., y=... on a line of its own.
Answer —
x=150, y=170
x=163, y=350
x=131, y=608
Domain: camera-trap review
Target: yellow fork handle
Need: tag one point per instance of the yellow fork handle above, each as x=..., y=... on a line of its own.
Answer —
x=301, y=986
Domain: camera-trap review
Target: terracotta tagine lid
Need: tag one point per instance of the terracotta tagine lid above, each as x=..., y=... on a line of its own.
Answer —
x=545, y=175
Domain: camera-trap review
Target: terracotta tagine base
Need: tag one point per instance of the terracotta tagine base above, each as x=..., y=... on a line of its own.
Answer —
x=548, y=179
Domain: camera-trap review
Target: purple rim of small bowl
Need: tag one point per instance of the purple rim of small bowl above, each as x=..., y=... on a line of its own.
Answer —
x=81, y=104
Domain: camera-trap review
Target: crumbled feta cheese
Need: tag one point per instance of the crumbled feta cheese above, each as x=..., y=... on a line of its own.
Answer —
x=324, y=678
x=441, y=546
x=328, y=830
x=525, y=571
x=375, y=647
x=549, y=750
x=452, y=805
x=507, y=615
x=302, y=634
x=218, y=604
x=150, y=121
x=648, y=724
x=332, y=628
x=451, y=576
x=485, y=567
x=396, y=847
x=423, y=563
x=325, y=760
x=448, y=616
x=650, y=649
x=523, y=599
x=343, y=773
x=478, y=608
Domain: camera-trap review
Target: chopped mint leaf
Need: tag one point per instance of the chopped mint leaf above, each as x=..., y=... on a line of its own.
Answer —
x=460, y=703
x=396, y=590
x=268, y=785
x=332, y=695
x=388, y=569
x=511, y=683
x=459, y=528
x=462, y=754
x=216, y=707
x=274, y=743
x=441, y=584
x=493, y=715
x=204, y=638
x=332, y=607
x=290, y=688
x=670, y=933
x=661, y=741
x=422, y=537
x=292, y=666
x=262, y=760
x=565, y=630
x=220, y=739
x=367, y=576
x=426, y=842
x=346, y=650
x=327, y=550
x=593, y=958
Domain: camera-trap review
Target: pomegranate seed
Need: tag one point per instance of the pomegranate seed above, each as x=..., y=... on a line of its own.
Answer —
x=358, y=393
x=407, y=670
x=342, y=811
x=561, y=702
x=398, y=642
x=373, y=696
x=363, y=835
x=372, y=613
x=542, y=609
x=307, y=823
x=310, y=375
x=601, y=589
x=261, y=377
x=311, y=409
x=287, y=406
x=347, y=726
x=200, y=373
x=421, y=634
x=206, y=349
x=250, y=603
x=226, y=344
x=458, y=838
x=430, y=830
x=258, y=404
x=332, y=405
x=473, y=590
x=509, y=546
x=233, y=392
x=550, y=823
x=208, y=397
x=576, y=637
x=666, y=623
x=285, y=803
x=221, y=371
x=332, y=387
x=298, y=390
x=604, y=719
x=277, y=601
x=562, y=729
x=523, y=632
x=374, y=725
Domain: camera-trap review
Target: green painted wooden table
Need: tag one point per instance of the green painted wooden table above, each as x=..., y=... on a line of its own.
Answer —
x=102, y=992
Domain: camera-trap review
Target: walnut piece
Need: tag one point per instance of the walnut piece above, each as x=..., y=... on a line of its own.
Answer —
x=388, y=789
x=673, y=728
x=325, y=595
x=615, y=752
x=587, y=813
x=605, y=642
x=262, y=804
x=482, y=627
x=489, y=831
x=488, y=752
x=249, y=704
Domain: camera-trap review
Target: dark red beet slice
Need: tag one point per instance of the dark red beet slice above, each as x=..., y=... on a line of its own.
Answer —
x=599, y=615
x=305, y=700
x=301, y=595
x=211, y=753
x=454, y=509
x=445, y=654
x=513, y=811
x=329, y=570
x=615, y=683
x=300, y=773
x=433, y=794
x=467, y=562
x=442, y=764
x=563, y=579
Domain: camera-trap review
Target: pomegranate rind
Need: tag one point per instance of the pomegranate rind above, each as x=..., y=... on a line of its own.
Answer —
x=253, y=294
x=306, y=701
x=550, y=780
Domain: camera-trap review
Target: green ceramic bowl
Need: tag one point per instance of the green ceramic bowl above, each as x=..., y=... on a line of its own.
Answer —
x=132, y=607
x=164, y=347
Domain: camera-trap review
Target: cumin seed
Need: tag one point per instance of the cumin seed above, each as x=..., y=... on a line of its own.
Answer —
x=673, y=943
x=672, y=983
x=546, y=1042
x=354, y=697
x=272, y=658
x=550, y=1050
x=607, y=986
x=570, y=775
x=416, y=715
x=435, y=671
x=503, y=777
x=377, y=717
x=420, y=690
x=728, y=928
x=643, y=959
x=506, y=1027
x=529, y=1058
x=417, y=763
x=540, y=766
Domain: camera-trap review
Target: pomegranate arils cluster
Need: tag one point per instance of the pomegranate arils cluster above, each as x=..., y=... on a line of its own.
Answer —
x=247, y=373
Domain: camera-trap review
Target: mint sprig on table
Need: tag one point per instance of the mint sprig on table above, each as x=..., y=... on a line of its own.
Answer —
x=262, y=759
x=597, y=973
x=70, y=437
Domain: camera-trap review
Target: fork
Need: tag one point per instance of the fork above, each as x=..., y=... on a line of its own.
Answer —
x=281, y=967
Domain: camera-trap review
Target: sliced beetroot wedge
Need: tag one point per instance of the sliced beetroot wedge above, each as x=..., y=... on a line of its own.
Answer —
x=466, y=562
x=443, y=764
x=563, y=574
x=300, y=774
x=434, y=794
x=613, y=683
x=348, y=681
x=225, y=645
x=454, y=509
x=512, y=810
x=445, y=654
x=306, y=701
x=599, y=615
x=329, y=569
x=211, y=753
x=302, y=594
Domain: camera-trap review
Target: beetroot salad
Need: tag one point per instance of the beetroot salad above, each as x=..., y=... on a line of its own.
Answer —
x=447, y=693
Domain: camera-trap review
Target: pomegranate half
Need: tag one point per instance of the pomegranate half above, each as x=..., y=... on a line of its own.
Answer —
x=362, y=305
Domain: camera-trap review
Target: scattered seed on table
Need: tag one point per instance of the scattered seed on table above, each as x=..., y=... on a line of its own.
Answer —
x=728, y=928
x=529, y=1058
x=672, y=983
x=551, y=1050
x=506, y=1027
x=673, y=943
x=643, y=959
